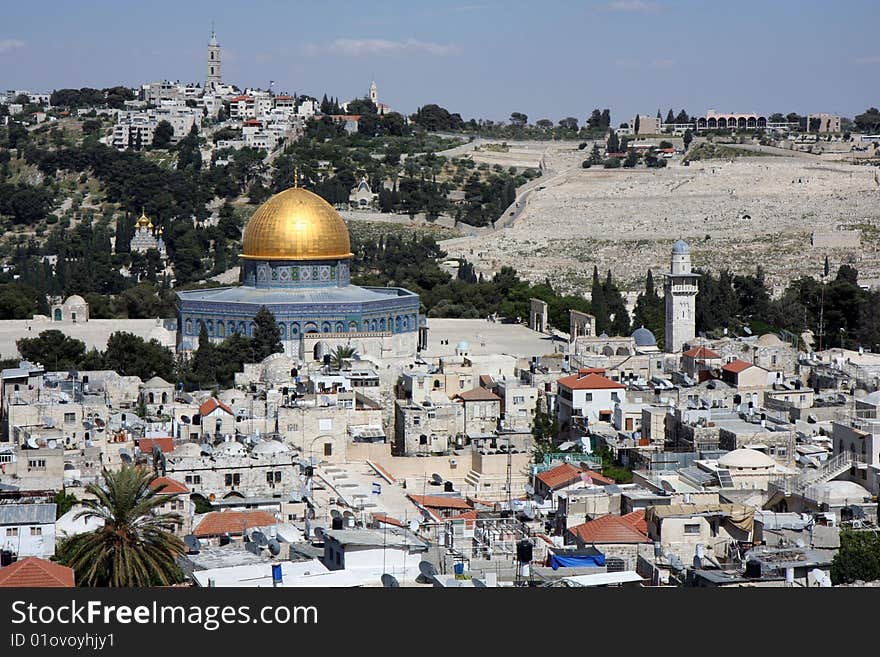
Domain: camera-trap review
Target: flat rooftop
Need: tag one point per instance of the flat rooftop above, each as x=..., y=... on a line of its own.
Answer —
x=486, y=338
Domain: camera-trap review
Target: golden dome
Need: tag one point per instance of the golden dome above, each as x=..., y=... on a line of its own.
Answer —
x=144, y=221
x=296, y=224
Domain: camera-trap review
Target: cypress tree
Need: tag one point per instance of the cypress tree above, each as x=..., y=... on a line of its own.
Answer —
x=598, y=305
x=267, y=334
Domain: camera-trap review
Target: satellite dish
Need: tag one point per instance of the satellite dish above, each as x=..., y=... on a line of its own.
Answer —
x=427, y=569
x=335, y=514
x=52, y=444
x=125, y=455
x=436, y=479
x=390, y=581
x=207, y=449
x=193, y=545
x=319, y=533
x=259, y=538
x=274, y=547
x=568, y=444
x=530, y=489
x=184, y=419
x=413, y=526
x=87, y=424
x=32, y=443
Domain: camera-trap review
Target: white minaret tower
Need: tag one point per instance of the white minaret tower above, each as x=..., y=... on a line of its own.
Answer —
x=681, y=292
x=374, y=93
x=213, y=80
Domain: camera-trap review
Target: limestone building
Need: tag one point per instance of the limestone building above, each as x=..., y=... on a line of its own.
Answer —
x=681, y=293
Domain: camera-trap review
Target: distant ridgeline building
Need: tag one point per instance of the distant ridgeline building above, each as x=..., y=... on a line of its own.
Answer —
x=296, y=261
x=145, y=238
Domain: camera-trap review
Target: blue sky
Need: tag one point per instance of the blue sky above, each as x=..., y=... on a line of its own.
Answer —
x=482, y=58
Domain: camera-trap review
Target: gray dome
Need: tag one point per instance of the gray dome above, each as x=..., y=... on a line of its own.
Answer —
x=680, y=248
x=643, y=337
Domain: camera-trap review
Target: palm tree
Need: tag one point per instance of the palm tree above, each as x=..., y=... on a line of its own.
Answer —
x=136, y=546
x=340, y=354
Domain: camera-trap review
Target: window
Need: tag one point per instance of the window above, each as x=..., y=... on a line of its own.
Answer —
x=588, y=396
x=421, y=385
x=228, y=479
x=782, y=451
x=12, y=531
x=69, y=418
x=188, y=479
x=692, y=528
x=236, y=479
x=6, y=457
x=37, y=464
x=36, y=531
x=197, y=479
x=423, y=440
x=328, y=449
x=417, y=421
x=519, y=400
x=615, y=397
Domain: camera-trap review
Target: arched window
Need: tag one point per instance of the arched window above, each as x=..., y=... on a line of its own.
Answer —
x=221, y=329
x=283, y=329
x=325, y=327
x=382, y=324
x=294, y=329
x=374, y=326
x=189, y=327
x=164, y=397
x=340, y=327
x=352, y=327
x=397, y=324
x=150, y=399
x=310, y=327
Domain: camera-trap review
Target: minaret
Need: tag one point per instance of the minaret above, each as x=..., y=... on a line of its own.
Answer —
x=374, y=93
x=213, y=80
x=681, y=292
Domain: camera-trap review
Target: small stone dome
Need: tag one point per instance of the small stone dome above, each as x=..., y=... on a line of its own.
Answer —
x=643, y=337
x=462, y=346
x=270, y=447
x=187, y=450
x=844, y=492
x=745, y=459
x=74, y=300
x=770, y=340
x=680, y=248
x=231, y=448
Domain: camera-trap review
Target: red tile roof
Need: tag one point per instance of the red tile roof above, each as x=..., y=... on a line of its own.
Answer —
x=33, y=572
x=589, y=382
x=218, y=523
x=608, y=529
x=165, y=444
x=701, y=352
x=440, y=502
x=381, y=517
x=736, y=366
x=211, y=405
x=565, y=474
x=637, y=520
x=478, y=394
x=486, y=381
x=168, y=486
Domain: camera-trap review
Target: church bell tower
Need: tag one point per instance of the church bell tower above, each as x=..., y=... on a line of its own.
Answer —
x=213, y=79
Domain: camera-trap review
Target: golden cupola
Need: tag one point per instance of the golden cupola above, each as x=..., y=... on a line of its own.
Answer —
x=144, y=221
x=296, y=224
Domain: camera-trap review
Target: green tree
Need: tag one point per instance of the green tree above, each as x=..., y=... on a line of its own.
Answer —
x=136, y=546
x=131, y=355
x=64, y=502
x=636, y=125
x=598, y=303
x=613, y=143
x=857, y=559
x=52, y=349
x=162, y=134
x=266, y=335
x=687, y=138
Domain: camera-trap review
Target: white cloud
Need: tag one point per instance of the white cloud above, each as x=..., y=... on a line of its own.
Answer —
x=633, y=6
x=360, y=47
x=7, y=45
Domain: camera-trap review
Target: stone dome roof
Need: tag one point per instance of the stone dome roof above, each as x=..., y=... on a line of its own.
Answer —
x=74, y=300
x=187, y=450
x=231, y=448
x=643, y=337
x=844, y=491
x=745, y=458
x=296, y=224
x=270, y=447
x=770, y=340
x=680, y=248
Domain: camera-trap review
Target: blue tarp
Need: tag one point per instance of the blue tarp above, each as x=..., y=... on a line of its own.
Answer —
x=574, y=561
